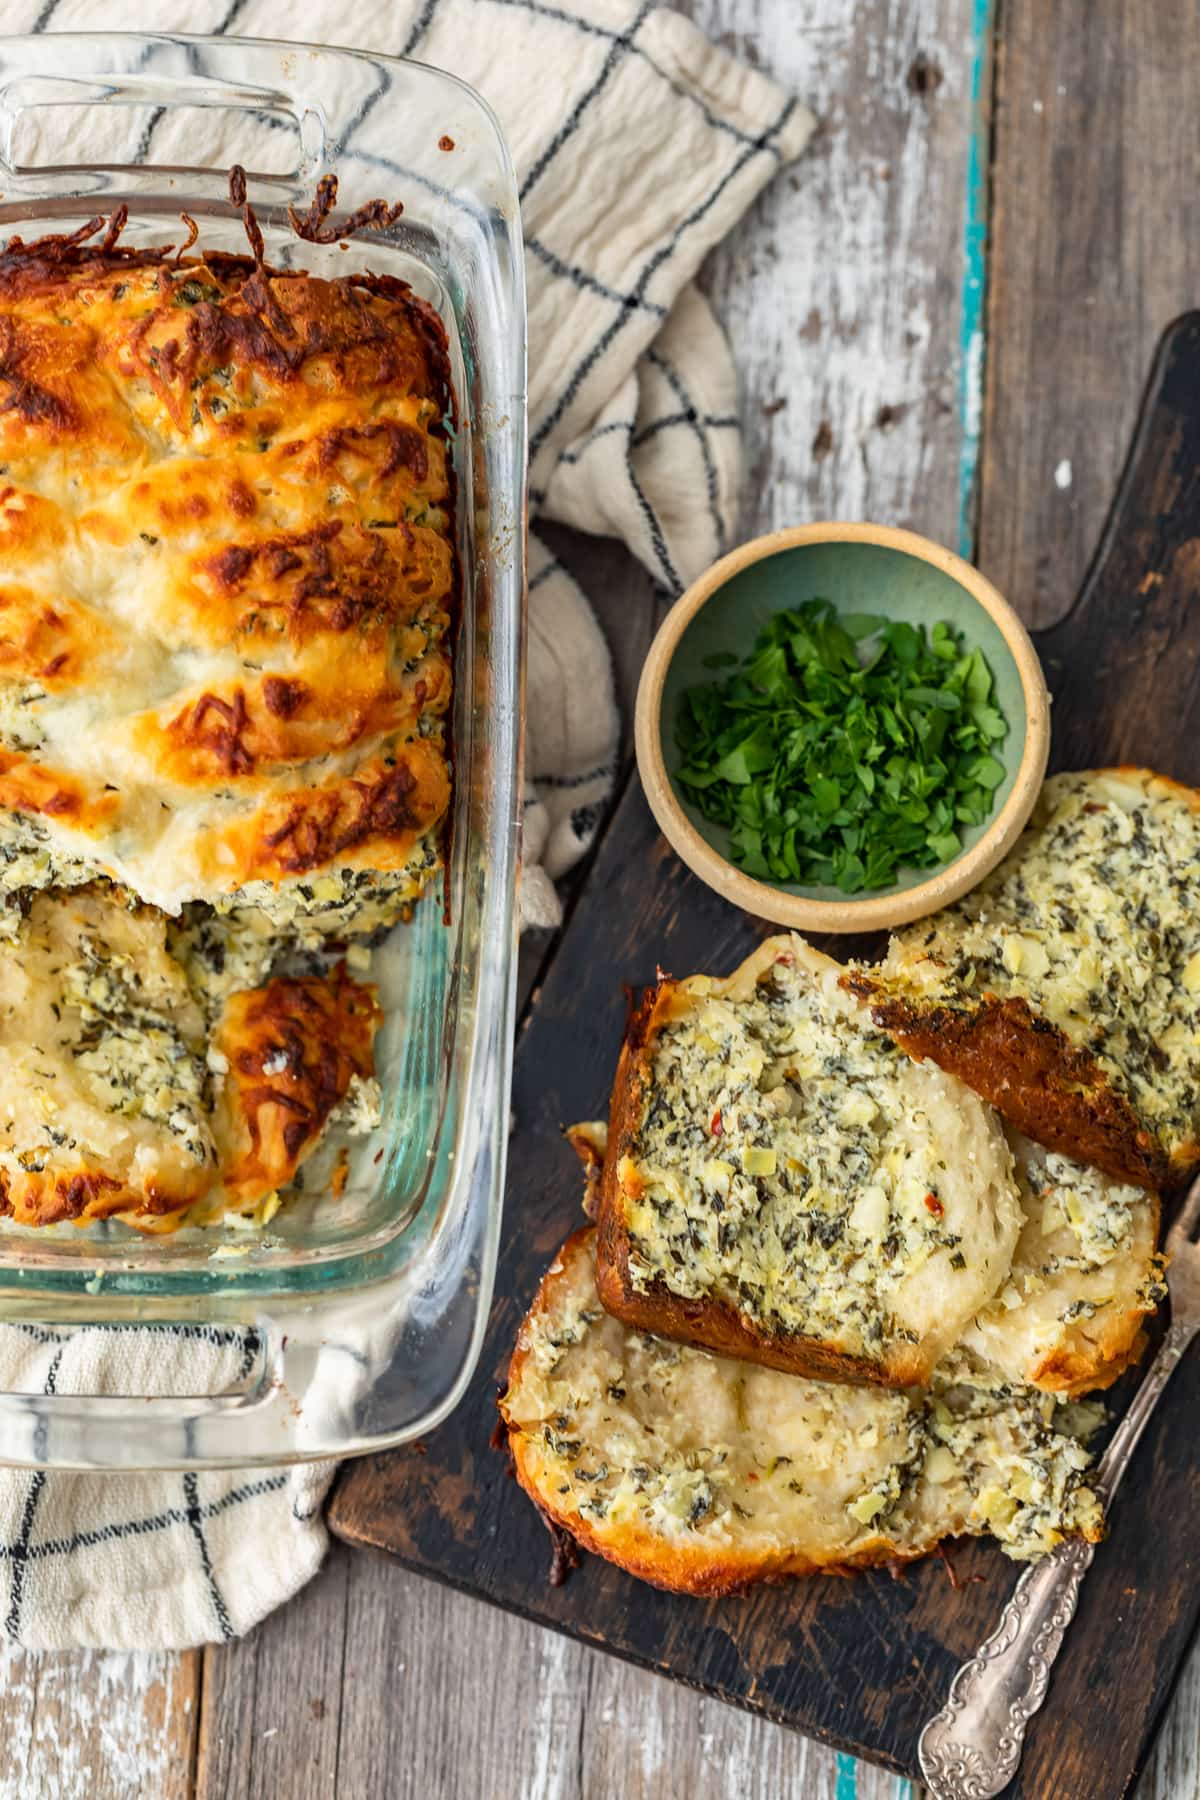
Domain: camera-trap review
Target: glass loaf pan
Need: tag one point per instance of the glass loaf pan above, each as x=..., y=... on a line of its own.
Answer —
x=368, y=1311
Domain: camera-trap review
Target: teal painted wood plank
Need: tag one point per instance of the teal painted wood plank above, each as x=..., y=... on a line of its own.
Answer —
x=972, y=347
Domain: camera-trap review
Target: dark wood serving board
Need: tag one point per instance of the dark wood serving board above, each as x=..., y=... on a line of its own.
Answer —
x=858, y=1663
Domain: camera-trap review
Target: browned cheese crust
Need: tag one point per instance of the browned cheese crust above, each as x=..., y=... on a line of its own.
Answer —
x=293, y=1048
x=225, y=527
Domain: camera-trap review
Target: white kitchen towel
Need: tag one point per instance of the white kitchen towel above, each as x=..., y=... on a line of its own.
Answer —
x=637, y=144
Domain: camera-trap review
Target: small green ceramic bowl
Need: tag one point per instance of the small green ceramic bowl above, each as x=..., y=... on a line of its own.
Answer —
x=863, y=569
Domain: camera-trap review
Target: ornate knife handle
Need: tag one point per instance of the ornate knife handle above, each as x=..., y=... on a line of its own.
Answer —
x=972, y=1748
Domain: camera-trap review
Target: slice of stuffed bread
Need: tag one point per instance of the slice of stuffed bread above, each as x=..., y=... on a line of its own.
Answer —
x=1086, y=1274
x=114, y=1102
x=703, y=1474
x=1066, y=988
x=782, y=1183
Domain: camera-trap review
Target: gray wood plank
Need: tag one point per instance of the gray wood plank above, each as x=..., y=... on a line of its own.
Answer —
x=445, y=1697
x=843, y=289
x=1174, y=1772
x=97, y=1725
x=271, y=1706
x=1094, y=249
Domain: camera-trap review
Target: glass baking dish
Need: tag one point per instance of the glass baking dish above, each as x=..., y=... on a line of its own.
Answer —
x=364, y=1315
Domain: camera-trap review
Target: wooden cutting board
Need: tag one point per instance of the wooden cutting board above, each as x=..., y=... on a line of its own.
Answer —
x=860, y=1663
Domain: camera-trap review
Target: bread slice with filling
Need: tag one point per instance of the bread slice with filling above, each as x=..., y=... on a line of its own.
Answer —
x=116, y=1101
x=1065, y=988
x=103, y=1084
x=782, y=1184
x=1085, y=1276
x=703, y=1474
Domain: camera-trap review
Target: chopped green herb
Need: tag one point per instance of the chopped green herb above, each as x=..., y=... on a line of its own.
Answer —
x=844, y=747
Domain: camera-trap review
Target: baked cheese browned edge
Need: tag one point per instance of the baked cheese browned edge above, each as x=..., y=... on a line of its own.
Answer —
x=90, y=1192
x=1069, y=1374
x=682, y=1568
x=293, y=1048
x=708, y=1322
x=373, y=818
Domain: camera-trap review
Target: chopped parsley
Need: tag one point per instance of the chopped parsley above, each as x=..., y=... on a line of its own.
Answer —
x=844, y=747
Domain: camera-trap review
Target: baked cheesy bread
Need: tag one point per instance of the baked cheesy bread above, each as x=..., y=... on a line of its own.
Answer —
x=114, y=1102
x=1066, y=987
x=702, y=1474
x=1068, y=1317
x=1086, y=1273
x=782, y=1183
x=102, y=1072
x=227, y=577
x=227, y=593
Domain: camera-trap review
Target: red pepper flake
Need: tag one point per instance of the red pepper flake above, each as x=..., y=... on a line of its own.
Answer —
x=750, y=1475
x=716, y=1126
x=445, y=143
x=934, y=1204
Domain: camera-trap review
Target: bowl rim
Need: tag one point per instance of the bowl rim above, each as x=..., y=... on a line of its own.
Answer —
x=848, y=915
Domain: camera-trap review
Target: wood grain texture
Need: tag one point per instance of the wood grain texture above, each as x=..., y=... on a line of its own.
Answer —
x=416, y=1724
x=1093, y=250
x=846, y=289
x=271, y=1708
x=98, y=1726
x=1174, y=1770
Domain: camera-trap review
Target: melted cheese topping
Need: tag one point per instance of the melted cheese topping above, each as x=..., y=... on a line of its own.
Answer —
x=664, y=1451
x=110, y=1104
x=1094, y=920
x=790, y=1162
x=227, y=580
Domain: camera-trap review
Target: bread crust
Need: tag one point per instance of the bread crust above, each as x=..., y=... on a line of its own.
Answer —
x=1029, y=1070
x=1033, y=1341
x=1071, y=1373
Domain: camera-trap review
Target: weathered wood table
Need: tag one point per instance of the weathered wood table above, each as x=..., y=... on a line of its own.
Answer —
x=943, y=317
